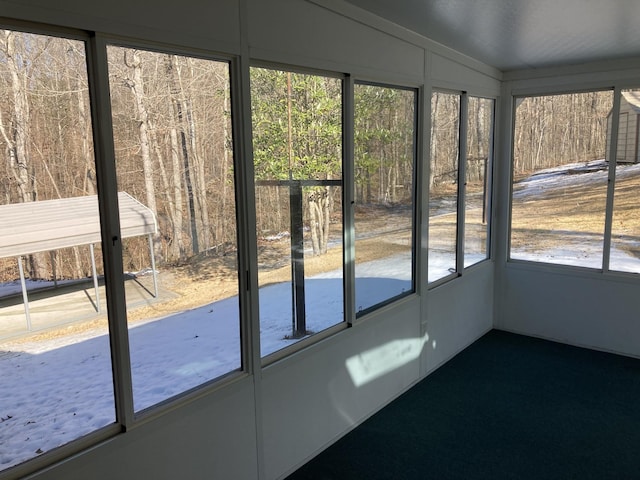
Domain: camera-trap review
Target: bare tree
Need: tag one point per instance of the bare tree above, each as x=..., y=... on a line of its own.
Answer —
x=174, y=88
x=15, y=130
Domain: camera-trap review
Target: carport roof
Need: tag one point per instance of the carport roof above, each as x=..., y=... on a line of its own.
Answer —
x=47, y=225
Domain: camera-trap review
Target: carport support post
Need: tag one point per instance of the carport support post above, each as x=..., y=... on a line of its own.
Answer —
x=153, y=266
x=25, y=298
x=53, y=268
x=95, y=278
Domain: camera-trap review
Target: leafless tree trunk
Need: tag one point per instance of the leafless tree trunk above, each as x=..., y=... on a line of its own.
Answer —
x=434, y=140
x=199, y=172
x=16, y=137
x=225, y=164
x=137, y=87
x=178, y=241
x=133, y=61
x=174, y=88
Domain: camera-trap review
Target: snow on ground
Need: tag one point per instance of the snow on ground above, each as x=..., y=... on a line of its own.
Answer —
x=564, y=176
x=581, y=249
x=55, y=391
x=582, y=254
x=579, y=174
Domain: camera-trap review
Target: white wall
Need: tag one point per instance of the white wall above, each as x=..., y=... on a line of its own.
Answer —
x=455, y=75
x=456, y=314
x=587, y=310
x=311, y=398
x=267, y=424
x=297, y=32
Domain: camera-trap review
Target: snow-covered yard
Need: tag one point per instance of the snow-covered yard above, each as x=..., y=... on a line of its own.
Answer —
x=57, y=390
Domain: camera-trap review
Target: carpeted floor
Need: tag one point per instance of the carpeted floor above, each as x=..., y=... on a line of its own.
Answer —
x=507, y=407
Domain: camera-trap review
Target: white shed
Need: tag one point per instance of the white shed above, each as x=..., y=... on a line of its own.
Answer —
x=628, y=128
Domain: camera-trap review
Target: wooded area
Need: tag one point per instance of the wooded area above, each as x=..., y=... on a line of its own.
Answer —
x=297, y=148
x=384, y=144
x=568, y=130
x=172, y=133
x=174, y=152
x=46, y=137
x=555, y=130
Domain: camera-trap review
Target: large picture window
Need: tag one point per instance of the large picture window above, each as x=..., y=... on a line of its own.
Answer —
x=560, y=174
x=174, y=159
x=54, y=346
x=385, y=132
x=297, y=147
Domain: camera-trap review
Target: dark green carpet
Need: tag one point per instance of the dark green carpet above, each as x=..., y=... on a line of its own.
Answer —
x=509, y=406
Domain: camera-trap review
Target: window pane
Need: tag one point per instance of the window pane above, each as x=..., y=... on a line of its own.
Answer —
x=478, y=173
x=560, y=178
x=172, y=133
x=384, y=157
x=443, y=192
x=625, y=234
x=54, y=346
x=297, y=146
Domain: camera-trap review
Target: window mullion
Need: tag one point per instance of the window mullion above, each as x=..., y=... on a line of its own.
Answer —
x=348, y=202
x=242, y=128
x=462, y=175
x=489, y=181
x=611, y=182
x=110, y=227
x=420, y=173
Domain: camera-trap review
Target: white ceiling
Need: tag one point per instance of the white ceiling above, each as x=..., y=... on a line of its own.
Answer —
x=515, y=34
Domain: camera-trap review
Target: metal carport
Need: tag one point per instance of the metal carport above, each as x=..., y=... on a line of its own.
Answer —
x=49, y=225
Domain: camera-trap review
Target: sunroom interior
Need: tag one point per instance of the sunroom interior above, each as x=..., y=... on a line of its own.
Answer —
x=333, y=273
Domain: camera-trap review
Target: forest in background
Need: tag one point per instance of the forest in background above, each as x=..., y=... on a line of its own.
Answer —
x=554, y=130
x=174, y=144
